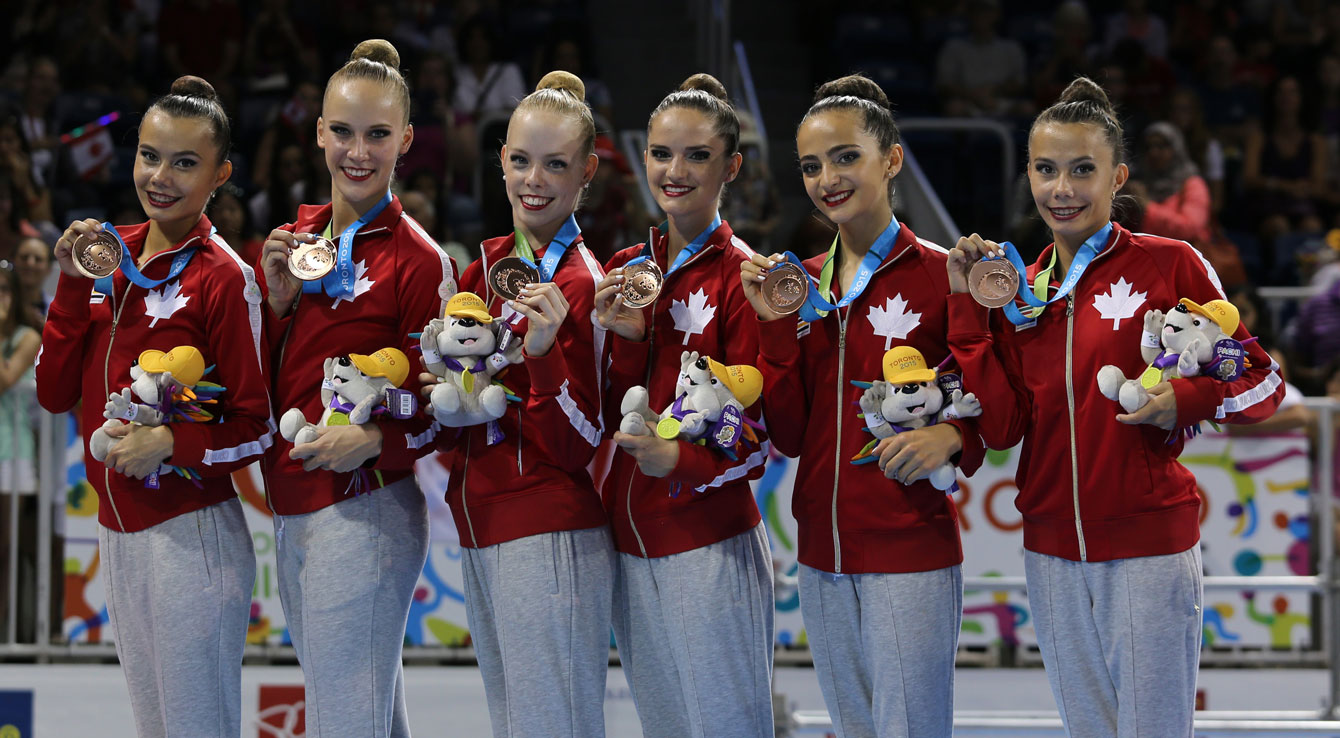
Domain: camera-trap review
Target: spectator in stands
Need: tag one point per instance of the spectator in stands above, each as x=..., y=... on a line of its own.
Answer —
x=753, y=205
x=35, y=199
x=213, y=54
x=33, y=265
x=1194, y=26
x=1284, y=169
x=1174, y=198
x=1317, y=332
x=293, y=122
x=1137, y=23
x=484, y=82
x=19, y=342
x=229, y=213
x=606, y=211
x=290, y=185
x=440, y=143
x=1184, y=111
x=568, y=53
x=1072, y=53
x=14, y=226
x=1149, y=79
x=276, y=52
x=982, y=74
x=39, y=119
x=105, y=55
x=1228, y=104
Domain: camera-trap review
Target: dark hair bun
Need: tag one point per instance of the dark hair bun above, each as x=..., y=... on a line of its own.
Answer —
x=566, y=81
x=707, y=83
x=853, y=85
x=1084, y=89
x=191, y=86
x=378, y=50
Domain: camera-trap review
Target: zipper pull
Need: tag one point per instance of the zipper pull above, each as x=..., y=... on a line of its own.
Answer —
x=842, y=337
x=1069, y=305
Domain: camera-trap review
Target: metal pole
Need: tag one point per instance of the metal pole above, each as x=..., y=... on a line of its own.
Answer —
x=1326, y=537
x=46, y=495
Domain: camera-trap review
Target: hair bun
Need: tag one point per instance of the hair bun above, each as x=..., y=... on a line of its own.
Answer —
x=707, y=83
x=566, y=81
x=378, y=50
x=190, y=85
x=853, y=85
x=1084, y=89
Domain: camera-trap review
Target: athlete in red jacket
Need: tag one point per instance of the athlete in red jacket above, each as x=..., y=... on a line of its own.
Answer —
x=880, y=584
x=1110, y=517
x=180, y=608
x=351, y=525
x=536, y=557
x=693, y=553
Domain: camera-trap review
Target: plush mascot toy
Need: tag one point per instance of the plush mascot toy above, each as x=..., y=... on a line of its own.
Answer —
x=466, y=349
x=709, y=404
x=356, y=389
x=164, y=388
x=1190, y=340
x=912, y=396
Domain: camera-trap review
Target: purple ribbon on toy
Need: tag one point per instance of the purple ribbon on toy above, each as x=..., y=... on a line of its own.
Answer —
x=455, y=365
x=348, y=407
x=1165, y=360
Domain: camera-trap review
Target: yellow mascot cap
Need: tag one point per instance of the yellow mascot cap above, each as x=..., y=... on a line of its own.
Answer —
x=903, y=364
x=389, y=362
x=467, y=304
x=744, y=382
x=185, y=362
x=1222, y=312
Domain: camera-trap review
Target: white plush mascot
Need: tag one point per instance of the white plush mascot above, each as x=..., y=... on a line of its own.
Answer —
x=1188, y=341
x=463, y=349
x=910, y=397
x=709, y=404
x=356, y=388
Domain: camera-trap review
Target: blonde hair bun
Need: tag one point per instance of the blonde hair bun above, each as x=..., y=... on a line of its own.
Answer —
x=378, y=50
x=563, y=81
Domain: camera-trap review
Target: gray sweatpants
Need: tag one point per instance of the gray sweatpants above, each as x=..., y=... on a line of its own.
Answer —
x=539, y=614
x=883, y=648
x=346, y=576
x=179, y=596
x=695, y=634
x=1120, y=640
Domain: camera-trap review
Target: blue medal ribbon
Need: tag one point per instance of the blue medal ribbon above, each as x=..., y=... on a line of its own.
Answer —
x=133, y=273
x=340, y=281
x=816, y=303
x=694, y=246
x=1091, y=247
x=563, y=240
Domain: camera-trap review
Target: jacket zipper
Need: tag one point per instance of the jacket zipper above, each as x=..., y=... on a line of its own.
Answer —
x=837, y=446
x=646, y=382
x=1070, y=403
x=107, y=390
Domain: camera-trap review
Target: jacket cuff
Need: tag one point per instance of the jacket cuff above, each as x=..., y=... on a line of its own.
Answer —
x=970, y=456
x=1197, y=398
x=72, y=295
x=967, y=317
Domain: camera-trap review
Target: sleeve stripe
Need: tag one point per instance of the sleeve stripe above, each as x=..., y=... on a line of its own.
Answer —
x=932, y=246
x=584, y=427
x=1259, y=393
x=1209, y=268
x=597, y=339
x=742, y=247
x=257, y=447
x=414, y=442
x=448, y=275
x=741, y=470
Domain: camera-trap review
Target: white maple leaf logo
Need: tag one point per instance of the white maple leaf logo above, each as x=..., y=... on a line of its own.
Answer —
x=1119, y=303
x=361, y=284
x=694, y=316
x=161, y=303
x=893, y=320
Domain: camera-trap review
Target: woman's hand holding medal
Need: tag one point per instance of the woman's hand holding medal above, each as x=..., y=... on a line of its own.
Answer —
x=613, y=311
x=774, y=286
x=976, y=267
x=545, y=308
x=76, y=240
x=279, y=278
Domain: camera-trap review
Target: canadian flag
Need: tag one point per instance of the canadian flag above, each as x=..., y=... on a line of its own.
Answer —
x=91, y=152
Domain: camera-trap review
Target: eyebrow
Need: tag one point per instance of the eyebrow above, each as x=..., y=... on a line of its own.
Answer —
x=523, y=152
x=350, y=125
x=833, y=150
x=188, y=152
x=1043, y=159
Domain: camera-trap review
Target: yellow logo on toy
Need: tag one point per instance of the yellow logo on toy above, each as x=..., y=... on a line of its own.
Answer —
x=1152, y=376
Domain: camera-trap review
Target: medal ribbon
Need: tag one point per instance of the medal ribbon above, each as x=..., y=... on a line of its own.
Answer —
x=132, y=272
x=552, y=255
x=340, y=281
x=694, y=246
x=816, y=303
x=1036, y=299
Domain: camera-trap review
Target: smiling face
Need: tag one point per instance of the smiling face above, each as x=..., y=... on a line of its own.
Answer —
x=32, y=262
x=544, y=169
x=845, y=173
x=686, y=162
x=912, y=404
x=465, y=336
x=363, y=131
x=176, y=169
x=1073, y=178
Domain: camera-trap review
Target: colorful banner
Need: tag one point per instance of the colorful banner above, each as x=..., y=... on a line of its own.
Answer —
x=1253, y=523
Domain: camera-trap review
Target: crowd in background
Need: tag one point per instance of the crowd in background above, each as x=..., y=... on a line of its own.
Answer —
x=1231, y=110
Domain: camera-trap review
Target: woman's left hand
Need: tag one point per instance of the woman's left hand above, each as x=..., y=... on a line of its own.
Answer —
x=545, y=308
x=1160, y=411
x=341, y=448
x=141, y=451
x=656, y=456
x=912, y=455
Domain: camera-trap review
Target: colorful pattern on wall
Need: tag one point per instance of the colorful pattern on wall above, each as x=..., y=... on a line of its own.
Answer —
x=1253, y=523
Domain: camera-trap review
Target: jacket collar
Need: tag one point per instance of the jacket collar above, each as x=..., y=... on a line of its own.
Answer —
x=134, y=236
x=315, y=218
x=494, y=249
x=1118, y=237
x=660, y=245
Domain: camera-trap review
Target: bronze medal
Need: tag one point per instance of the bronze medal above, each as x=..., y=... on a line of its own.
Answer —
x=785, y=288
x=993, y=283
x=97, y=256
x=509, y=275
x=642, y=284
x=312, y=261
